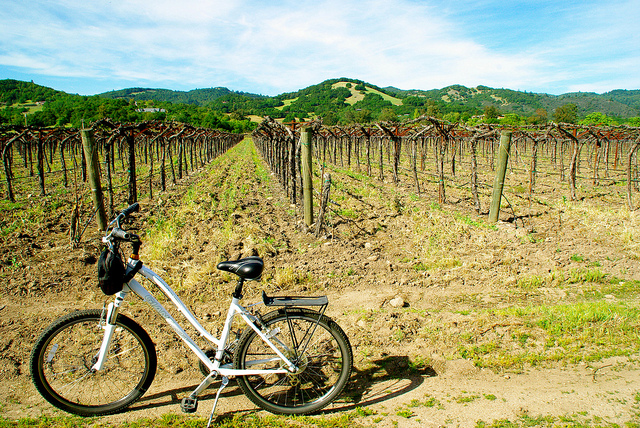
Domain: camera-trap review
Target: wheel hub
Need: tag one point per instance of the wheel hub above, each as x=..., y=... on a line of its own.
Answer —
x=301, y=363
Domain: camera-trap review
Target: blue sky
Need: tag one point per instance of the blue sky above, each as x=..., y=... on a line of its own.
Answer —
x=270, y=47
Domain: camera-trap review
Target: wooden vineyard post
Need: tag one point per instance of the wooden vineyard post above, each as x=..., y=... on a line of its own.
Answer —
x=41, y=165
x=133, y=191
x=108, y=156
x=326, y=188
x=150, y=148
x=381, y=154
x=6, y=155
x=573, y=167
x=306, y=135
x=414, y=162
x=440, y=154
x=93, y=172
x=474, y=173
x=163, y=172
x=180, y=150
x=291, y=162
x=632, y=151
x=6, y=152
x=498, y=184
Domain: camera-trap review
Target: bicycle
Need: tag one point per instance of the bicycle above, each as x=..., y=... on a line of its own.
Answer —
x=292, y=360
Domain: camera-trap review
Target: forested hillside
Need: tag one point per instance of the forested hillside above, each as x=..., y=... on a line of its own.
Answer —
x=26, y=102
x=337, y=101
x=344, y=101
x=619, y=103
x=198, y=97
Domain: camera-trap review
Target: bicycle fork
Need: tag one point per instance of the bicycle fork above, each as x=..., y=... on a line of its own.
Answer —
x=109, y=328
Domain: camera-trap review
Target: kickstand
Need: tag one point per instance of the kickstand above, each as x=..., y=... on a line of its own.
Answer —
x=225, y=382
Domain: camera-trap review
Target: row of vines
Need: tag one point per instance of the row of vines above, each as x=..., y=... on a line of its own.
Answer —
x=135, y=159
x=432, y=152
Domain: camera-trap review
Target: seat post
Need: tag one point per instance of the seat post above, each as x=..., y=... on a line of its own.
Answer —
x=237, y=293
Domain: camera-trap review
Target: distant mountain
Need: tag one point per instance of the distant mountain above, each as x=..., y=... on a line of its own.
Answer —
x=28, y=103
x=199, y=97
x=618, y=103
x=19, y=92
x=335, y=96
x=336, y=101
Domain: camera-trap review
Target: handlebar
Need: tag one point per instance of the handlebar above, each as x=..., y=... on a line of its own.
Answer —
x=118, y=233
x=135, y=207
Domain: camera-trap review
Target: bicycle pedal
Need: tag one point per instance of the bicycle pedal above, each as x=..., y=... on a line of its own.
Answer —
x=189, y=404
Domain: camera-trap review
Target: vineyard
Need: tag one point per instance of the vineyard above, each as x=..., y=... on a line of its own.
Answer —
x=136, y=159
x=432, y=152
x=454, y=320
x=425, y=152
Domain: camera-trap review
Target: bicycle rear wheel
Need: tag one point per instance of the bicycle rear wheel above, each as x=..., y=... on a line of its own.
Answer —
x=315, y=343
x=62, y=358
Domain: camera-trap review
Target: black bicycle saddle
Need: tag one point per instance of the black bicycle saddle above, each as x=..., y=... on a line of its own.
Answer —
x=249, y=268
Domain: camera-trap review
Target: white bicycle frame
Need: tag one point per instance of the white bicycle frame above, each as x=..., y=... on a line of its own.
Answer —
x=214, y=366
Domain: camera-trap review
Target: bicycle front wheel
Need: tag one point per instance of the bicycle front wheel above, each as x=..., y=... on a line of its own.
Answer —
x=62, y=358
x=314, y=343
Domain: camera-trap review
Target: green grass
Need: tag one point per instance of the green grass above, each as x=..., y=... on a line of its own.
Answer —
x=211, y=206
x=357, y=96
x=465, y=398
x=475, y=222
x=343, y=419
x=568, y=333
x=568, y=421
x=31, y=106
x=26, y=215
x=405, y=413
x=287, y=102
x=531, y=282
x=429, y=402
x=573, y=276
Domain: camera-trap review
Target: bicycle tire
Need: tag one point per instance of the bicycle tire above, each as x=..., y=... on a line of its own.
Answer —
x=325, y=362
x=65, y=352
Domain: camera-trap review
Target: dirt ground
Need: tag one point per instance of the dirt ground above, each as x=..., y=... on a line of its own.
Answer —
x=406, y=278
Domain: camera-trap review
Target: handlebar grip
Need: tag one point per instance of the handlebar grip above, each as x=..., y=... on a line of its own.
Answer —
x=135, y=207
x=120, y=234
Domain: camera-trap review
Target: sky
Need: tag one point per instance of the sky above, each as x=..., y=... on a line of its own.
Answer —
x=271, y=47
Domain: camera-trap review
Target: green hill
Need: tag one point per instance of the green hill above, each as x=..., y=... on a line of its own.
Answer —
x=336, y=101
x=197, y=96
x=618, y=103
x=36, y=105
x=345, y=100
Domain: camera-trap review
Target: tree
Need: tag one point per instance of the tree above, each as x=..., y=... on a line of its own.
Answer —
x=598, y=118
x=491, y=114
x=418, y=112
x=634, y=121
x=329, y=118
x=453, y=117
x=432, y=109
x=238, y=115
x=388, y=115
x=363, y=116
x=511, y=119
x=567, y=113
x=539, y=117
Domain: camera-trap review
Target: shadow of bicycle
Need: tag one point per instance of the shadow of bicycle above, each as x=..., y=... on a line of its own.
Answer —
x=383, y=379
x=174, y=396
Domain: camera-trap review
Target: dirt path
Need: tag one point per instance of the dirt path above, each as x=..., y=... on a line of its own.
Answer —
x=383, y=244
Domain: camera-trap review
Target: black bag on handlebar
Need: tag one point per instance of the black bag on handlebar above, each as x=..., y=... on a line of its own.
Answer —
x=111, y=272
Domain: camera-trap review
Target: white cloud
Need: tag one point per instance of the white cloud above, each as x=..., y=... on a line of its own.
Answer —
x=278, y=46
